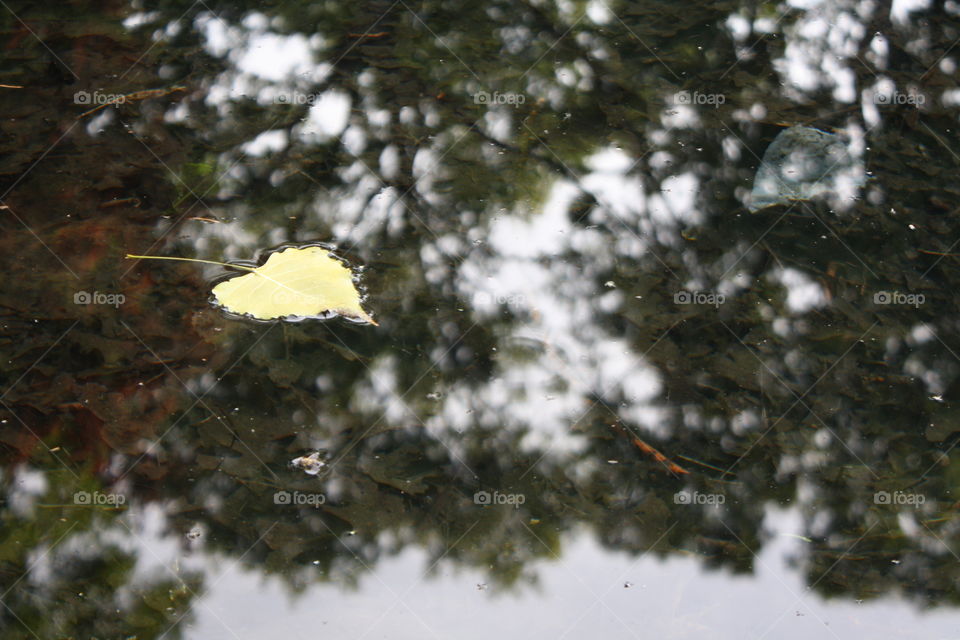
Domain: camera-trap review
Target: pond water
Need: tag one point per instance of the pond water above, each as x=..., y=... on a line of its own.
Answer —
x=643, y=365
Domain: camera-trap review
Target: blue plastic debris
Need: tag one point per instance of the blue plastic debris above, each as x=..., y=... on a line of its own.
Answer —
x=802, y=163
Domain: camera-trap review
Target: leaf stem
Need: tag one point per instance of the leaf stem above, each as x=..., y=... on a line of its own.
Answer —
x=222, y=264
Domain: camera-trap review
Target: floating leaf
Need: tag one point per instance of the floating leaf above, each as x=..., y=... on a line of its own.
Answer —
x=293, y=283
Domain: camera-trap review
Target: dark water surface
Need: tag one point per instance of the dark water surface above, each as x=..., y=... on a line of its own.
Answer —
x=603, y=399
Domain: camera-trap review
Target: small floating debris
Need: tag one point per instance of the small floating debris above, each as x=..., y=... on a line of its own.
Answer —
x=311, y=464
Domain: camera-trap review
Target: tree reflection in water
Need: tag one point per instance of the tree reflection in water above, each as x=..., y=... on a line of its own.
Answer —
x=549, y=202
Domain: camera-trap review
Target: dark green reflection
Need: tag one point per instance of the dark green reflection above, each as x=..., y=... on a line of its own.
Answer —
x=848, y=409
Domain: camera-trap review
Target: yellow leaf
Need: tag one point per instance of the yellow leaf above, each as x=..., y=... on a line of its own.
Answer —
x=292, y=283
